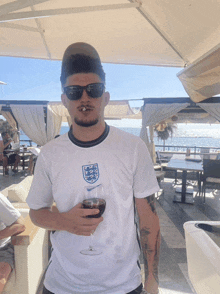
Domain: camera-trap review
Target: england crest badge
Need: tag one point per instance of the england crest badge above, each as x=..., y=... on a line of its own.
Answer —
x=90, y=173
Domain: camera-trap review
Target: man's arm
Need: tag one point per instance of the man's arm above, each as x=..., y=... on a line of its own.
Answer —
x=150, y=241
x=8, y=143
x=74, y=221
x=16, y=228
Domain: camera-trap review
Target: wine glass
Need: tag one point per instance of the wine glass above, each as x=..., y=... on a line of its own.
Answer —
x=93, y=200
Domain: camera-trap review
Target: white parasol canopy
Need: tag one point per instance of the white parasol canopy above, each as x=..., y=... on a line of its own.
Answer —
x=177, y=33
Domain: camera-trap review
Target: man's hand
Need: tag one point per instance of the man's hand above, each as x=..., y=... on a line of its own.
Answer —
x=17, y=229
x=12, y=230
x=78, y=223
x=73, y=221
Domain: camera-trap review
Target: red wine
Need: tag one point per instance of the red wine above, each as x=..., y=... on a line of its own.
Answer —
x=91, y=203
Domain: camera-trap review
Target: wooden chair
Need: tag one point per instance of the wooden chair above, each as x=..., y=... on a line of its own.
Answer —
x=211, y=175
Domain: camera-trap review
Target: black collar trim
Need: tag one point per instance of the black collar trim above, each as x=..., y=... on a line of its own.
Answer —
x=89, y=143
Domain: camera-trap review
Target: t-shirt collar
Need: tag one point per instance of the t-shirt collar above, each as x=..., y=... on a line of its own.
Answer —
x=89, y=143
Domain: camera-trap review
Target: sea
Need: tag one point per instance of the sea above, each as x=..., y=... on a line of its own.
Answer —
x=188, y=135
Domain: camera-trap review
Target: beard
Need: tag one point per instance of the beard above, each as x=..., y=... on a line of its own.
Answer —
x=86, y=124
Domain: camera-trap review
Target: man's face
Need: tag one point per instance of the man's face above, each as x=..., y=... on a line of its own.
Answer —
x=86, y=111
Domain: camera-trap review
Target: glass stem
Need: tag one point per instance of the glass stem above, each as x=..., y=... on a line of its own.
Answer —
x=91, y=243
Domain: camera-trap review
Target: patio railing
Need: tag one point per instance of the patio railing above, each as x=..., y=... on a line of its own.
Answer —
x=193, y=149
x=26, y=142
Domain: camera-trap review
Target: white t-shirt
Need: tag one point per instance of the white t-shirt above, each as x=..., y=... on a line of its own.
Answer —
x=8, y=215
x=121, y=162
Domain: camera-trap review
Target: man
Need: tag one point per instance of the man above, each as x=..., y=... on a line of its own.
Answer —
x=1, y=147
x=11, y=223
x=91, y=154
x=8, y=157
x=32, y=160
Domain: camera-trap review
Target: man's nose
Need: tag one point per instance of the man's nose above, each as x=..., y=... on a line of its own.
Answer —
x=85, y=96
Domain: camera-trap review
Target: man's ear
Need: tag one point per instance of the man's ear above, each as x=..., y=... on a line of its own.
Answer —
x=64, y=100
x=106, y=98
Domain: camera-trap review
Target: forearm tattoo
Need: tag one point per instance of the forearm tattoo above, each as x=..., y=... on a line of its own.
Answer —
x=151, y=202
x=150, y=253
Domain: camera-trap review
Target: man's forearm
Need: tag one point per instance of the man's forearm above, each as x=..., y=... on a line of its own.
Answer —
x=150, y=243
x=74, y=221
x=47, y=219
x=150, y=237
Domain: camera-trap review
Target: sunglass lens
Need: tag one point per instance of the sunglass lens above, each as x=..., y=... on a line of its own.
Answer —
x=74, y=93
x=95, y=90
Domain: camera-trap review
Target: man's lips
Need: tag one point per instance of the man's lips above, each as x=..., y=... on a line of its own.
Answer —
x=85, y=108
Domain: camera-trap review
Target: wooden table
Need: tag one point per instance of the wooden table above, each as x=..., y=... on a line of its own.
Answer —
x=185, y=164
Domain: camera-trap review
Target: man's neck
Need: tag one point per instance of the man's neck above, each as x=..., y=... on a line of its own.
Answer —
x=87, y=134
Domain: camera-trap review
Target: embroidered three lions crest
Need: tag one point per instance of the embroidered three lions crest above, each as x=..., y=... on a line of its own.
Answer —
x=90, y=173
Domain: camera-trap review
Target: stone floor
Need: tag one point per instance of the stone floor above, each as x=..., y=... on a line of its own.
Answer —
x=173, y=273
x=13, y=178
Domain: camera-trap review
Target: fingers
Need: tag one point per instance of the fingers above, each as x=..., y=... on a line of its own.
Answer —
x=77, y=221
x=85, y=212
x=87, y=226
x=84, y=230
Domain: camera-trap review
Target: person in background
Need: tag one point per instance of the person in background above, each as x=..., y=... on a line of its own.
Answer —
x=92, y=154
x=32, y=160
x=11, y=224
x=9, y=158
x=1, y=147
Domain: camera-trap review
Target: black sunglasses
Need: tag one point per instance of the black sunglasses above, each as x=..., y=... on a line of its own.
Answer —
x=93, y=90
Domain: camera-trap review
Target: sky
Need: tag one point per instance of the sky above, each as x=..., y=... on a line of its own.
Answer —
x=32, y=79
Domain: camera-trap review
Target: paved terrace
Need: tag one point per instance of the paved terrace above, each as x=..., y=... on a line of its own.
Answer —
x=173, y=263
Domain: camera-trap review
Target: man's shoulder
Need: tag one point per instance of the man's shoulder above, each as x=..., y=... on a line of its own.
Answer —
x=55, y=143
